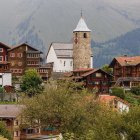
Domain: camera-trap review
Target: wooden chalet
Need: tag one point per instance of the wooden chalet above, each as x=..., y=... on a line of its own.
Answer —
x=94, y=79
x=10, y=114
x=4, y=65
x=24, y=57
x=126, y=71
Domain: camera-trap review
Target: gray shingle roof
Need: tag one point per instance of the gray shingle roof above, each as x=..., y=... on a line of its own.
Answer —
x=10, y=111
x=63, y=50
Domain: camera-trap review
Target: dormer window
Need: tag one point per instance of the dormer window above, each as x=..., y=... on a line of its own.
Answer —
x=85, y=35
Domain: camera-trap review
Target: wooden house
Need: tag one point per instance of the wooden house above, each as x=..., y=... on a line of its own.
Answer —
x=10, y=114
x=126, y=70
x=4, y=65
x=24, y=57
x=94, y=79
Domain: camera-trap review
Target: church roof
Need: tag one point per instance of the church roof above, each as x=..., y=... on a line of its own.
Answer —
x=82, y=26
x=63, y=50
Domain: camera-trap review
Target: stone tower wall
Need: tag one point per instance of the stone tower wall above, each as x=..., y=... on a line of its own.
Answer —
x=81, y=50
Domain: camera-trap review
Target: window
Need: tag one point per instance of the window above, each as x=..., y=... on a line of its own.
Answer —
x=16, y=122
x=12, y=63
x=19, y=63
x=76, y=39
x=20, y=71
x=1, y=58
x=12, y=54
x=96, y=83
x=64, y=63
x=85, y=35
x=16, y=134
x=1, y=49
x=19, y=55
x=71, y=63
x=30, y=131
x=98, y=74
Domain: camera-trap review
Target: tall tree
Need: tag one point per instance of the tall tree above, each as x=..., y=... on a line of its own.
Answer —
x=31, y=83
x=77, y=115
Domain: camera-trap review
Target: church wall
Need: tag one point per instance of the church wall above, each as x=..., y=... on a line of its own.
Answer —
x=65, y=65
x=60, y=64
x=51, y=57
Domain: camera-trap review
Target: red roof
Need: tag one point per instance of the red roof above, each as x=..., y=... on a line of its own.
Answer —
x=108, y=98
x=4, y=45
x=92, y=71
x=127, y=61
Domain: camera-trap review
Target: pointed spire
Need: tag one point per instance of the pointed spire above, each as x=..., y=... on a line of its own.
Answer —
x=82, y=26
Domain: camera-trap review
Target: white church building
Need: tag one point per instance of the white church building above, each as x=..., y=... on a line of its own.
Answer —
x=62, y=54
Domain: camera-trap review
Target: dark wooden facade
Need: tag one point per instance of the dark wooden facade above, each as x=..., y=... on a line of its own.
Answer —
x=4, y=65
x=24, y=57
x=94, y=79
x=126, y=67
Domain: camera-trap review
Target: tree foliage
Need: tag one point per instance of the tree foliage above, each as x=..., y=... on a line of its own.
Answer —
x=76, y=114
x=4, y=132
x=118, y=91
x=31, y=83
x=107, y=69
x=135, y=90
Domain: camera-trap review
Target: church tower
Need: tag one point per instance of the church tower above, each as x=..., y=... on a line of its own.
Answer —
x=82, y=56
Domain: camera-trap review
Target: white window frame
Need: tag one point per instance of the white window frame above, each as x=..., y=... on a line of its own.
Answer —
x=99, y=75
x=12, y=54
x=1, y=49
x=20, y=55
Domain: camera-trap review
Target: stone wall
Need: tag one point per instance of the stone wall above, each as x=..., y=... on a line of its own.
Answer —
x=81, y=50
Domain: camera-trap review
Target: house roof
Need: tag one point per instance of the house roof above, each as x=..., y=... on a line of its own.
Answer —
x=93, y=71
x=63, y=50
x=126, y=61
x=108, y=98
x=2, y=44
x=14, y=47
x=82, y=26
x=10, y=111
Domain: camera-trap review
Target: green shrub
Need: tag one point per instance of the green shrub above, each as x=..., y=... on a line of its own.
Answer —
x=118, y=91
x=135, y=90
x=1, y=90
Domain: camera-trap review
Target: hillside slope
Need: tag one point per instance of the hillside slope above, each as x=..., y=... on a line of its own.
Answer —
x=49, y=21
x=128, y=44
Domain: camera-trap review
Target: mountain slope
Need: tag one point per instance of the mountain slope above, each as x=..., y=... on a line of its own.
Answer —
x=128, y=44
x=54, y=20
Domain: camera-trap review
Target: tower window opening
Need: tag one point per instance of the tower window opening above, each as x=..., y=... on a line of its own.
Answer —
x=64, y=63
x=76, y=38
x=76, y=35
x=85, y=35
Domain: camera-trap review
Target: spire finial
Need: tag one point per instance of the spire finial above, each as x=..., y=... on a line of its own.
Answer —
x=81, y=12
